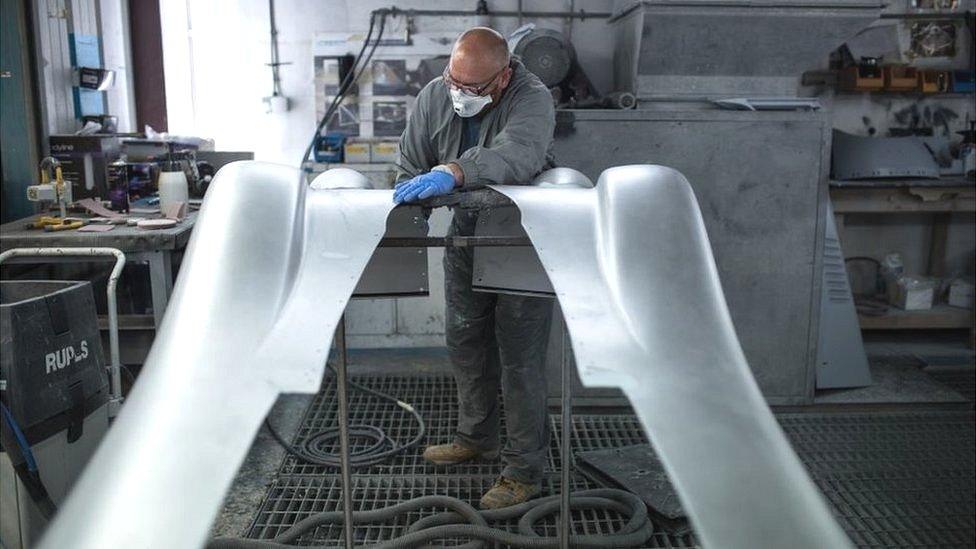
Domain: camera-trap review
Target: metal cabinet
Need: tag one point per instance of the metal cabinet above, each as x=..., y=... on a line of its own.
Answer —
x=760, y=180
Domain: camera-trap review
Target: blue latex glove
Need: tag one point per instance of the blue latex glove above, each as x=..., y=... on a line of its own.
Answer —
x=424, y=186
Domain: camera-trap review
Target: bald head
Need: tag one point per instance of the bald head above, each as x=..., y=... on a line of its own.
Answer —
x=479, y=54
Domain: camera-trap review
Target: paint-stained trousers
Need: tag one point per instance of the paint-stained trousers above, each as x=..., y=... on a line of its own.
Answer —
x=497, y=340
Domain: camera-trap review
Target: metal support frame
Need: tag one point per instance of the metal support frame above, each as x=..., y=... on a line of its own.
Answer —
x=160, y=279
x=115, y=376
x=479, y=198
x=342, y=391
x=566, y=452
x=160, y=264
x=454, y=241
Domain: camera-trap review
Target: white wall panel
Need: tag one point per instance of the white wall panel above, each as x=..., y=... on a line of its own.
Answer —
x=52, y=20
x=117, y=56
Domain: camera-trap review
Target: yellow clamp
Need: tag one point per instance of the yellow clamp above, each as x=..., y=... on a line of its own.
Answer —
x=46, y=165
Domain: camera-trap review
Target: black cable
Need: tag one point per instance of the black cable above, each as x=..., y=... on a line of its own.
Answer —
x=351, y=78
x=317, y=449
x=463, y=521
x=340, y=94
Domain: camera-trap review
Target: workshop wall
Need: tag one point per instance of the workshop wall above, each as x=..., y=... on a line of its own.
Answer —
x=216, y=54
x=117, y=56
x=55, y=22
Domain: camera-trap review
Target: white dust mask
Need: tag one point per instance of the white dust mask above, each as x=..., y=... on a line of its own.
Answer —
x=467, y=104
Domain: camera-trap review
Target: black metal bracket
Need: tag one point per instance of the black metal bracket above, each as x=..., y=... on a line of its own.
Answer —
x=474, y=199
x=453, y=241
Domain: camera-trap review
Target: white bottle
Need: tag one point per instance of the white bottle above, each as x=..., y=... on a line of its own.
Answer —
x=173, y=188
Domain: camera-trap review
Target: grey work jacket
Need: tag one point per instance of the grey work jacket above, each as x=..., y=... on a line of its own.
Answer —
x=513, y=145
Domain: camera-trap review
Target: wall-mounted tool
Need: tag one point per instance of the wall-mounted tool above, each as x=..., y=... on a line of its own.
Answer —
x=92, y=78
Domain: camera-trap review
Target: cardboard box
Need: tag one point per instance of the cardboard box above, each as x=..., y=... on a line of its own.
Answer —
x=84, y=162
x=912, y=293
x=933, y=81
x=385, y=151
x=356, y=152
x=961, y=293
x=856, y=79
x=900, y=78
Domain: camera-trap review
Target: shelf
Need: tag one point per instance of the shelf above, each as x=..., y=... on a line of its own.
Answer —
x=908, y=94
x=318, y=167
x=927, y=14
x=893, y=182
x=940, y=317
x=912, y=199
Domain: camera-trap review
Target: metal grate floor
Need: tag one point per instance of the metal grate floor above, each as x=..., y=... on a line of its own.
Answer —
x=892, y=479
x=291, y=499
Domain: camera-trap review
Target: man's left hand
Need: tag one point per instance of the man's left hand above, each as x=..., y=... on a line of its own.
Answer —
x=424, y=186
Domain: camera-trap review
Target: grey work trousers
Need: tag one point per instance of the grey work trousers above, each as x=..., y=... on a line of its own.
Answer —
x=497, y=340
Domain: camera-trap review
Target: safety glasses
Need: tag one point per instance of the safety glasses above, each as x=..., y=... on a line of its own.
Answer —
x=476, y=89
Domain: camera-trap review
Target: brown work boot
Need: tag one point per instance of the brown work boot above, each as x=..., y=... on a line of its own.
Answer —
x=507, y=492
x=454, y=453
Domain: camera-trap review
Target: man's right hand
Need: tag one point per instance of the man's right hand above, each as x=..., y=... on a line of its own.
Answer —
x=423, y=186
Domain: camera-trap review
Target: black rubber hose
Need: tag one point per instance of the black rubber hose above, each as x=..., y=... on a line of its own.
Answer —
x=316, y=449
x=635, y=532
x=352, y=77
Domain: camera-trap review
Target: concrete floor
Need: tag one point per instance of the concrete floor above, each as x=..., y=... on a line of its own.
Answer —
x=898, y=367
x=259, y=467
x=902, y=367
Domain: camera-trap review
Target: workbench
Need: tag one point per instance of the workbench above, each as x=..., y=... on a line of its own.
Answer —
x=940, y=197
x=154, y=247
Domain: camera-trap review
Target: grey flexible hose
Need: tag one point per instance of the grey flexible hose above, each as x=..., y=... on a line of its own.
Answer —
x=634, y=533
x=317, y=448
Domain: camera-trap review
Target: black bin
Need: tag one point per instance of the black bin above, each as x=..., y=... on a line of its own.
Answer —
x=50, y=356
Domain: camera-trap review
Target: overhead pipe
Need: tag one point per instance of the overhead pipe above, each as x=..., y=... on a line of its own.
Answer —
x=483, y=10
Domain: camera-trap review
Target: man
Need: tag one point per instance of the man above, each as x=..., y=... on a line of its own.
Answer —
x=488, y=120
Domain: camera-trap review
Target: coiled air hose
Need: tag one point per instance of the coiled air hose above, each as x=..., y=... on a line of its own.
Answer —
x=450, y=524
x=317, y=448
